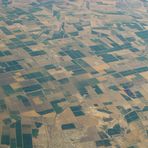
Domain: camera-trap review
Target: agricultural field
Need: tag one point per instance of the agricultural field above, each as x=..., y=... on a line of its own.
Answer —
x=73, y=73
